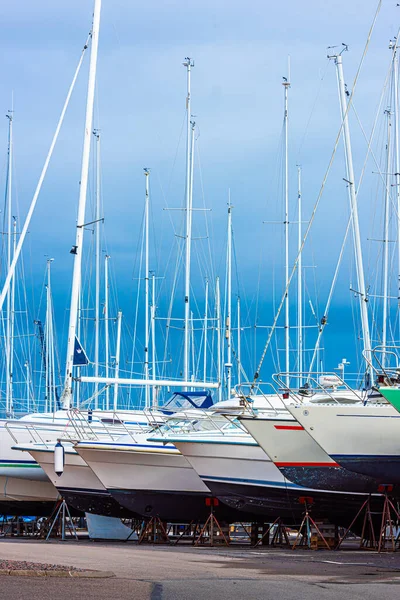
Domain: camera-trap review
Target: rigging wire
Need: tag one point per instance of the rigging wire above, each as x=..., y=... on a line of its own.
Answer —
x=309, y=225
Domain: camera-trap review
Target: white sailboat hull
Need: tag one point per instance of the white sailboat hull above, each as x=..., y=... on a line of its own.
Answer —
x=298, y=456
x=77, y=484
x=151, y=479
x=26, y=490
x=363, y=439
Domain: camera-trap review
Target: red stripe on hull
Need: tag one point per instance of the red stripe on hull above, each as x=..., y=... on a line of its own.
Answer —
x=290, y=427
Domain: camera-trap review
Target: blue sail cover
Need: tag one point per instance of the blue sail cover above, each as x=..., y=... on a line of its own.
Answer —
x=187, y=400
x=80, y=358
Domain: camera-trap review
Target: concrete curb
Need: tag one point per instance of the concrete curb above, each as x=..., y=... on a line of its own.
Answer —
x=55, y=573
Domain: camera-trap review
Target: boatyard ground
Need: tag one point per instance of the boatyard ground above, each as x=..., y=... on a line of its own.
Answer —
x=165, y=573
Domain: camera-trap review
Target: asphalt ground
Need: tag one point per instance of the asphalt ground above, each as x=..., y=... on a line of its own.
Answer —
x=169, y=573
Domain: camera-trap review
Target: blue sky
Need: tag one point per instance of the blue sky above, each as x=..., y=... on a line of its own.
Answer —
x=240, y=52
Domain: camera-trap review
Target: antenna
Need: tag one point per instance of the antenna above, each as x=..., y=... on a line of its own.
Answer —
x=345, y=48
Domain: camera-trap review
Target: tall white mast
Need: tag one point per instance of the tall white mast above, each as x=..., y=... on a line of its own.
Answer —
x=205, y=333
x=397, y=155
x=97, y=292
x=117, y=358
x=77, y=249
x=12, y=323
x=218, y=315
x=153, y=336
x=9, y=258
x=299, y=278
x=50, y=361
x=188, y=227
x=386, y=237
x=228, y=336
x=11, y=270
x=286, y=86
x=106, y=338
x=79, y=328
x=47, y=341
x=146, y=290
x=239, y=344
x=362, y=292
x=192, y=347
x=28, y=386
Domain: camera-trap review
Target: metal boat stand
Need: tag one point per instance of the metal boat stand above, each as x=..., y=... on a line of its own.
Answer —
x=154, y=532
x=279, y=535
x=384, y=540
x=368, y=538
x=387, y=533
x=212, y=527
x=191, y=530
x=307, y=525
x=61, y=517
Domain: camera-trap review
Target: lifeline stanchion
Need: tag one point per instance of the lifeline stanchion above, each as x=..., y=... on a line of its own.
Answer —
x=63, y=512
x=154, y=531
x=210, y=524
x=306, y=523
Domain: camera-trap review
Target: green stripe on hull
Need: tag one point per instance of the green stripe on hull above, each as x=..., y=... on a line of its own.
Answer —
x=18, y=466
x=392, y=395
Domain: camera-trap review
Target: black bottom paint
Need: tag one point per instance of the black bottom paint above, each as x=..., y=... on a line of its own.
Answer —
x=178, y=507
x=32, y=508
x=270, y=503
x=386, y=470
x=330, y=478
x=95, y=502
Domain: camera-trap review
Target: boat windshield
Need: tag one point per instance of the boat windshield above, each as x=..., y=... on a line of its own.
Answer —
x=206, y=423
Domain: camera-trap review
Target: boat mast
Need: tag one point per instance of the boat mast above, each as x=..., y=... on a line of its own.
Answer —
x=205, y=333
x=153, y=336
x=77, y=248
x=386, y=238
x=78, y=369
x=11, y=270
x=12, y=322
x=397, y=155
x=239, y=346
x=28, y=391
x=299, y=279
x=362, y=292
x=286, y=86
x=47, y=342
x=117, y=358
x=188, y=227
x=106, y=338
x=146, y=290
x=192, y=349
x=50, y=360
x=218, y=315
x=9, y=234
x=96, y=133
x=228, y=336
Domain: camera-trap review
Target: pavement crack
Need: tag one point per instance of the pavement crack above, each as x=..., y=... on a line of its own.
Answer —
x=156, y=592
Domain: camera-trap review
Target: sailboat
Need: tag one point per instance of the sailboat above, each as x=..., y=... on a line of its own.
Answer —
x=298, y=456
x=362, y=437
x=52, y=425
